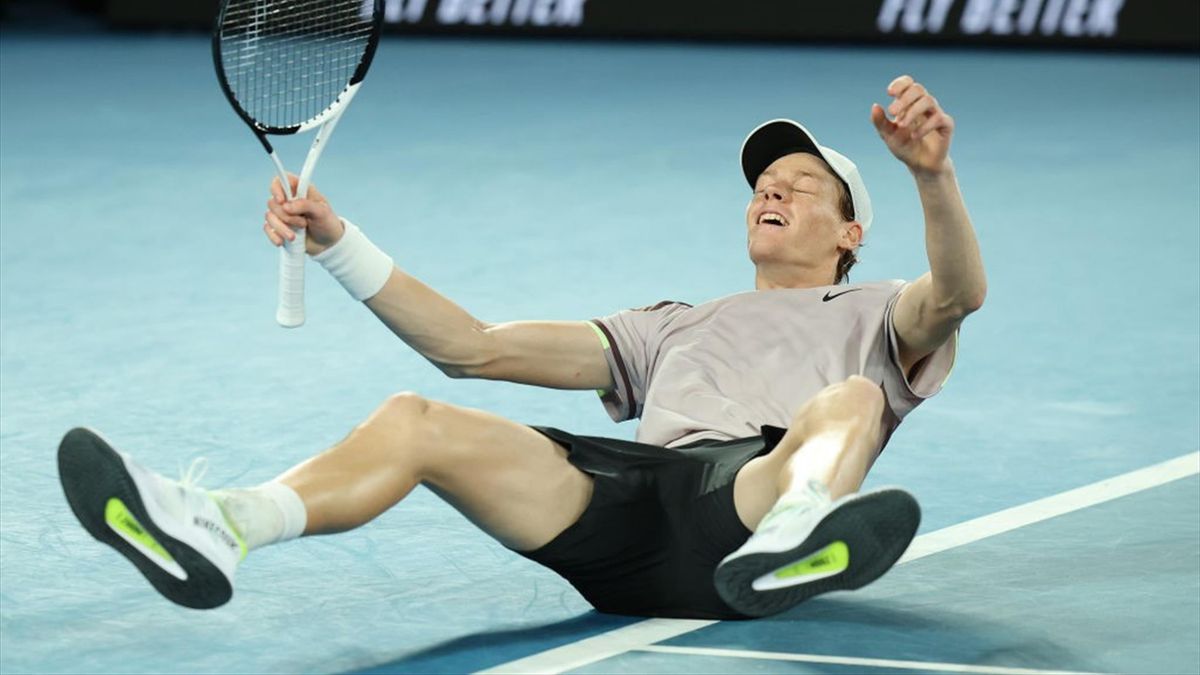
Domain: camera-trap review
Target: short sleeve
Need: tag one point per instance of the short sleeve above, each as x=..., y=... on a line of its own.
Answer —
x=906, y=393
x=631, y=341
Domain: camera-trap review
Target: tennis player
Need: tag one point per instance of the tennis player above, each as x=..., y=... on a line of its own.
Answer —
x=761, y=412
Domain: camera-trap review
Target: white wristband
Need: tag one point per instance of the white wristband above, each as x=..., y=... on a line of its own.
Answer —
x=358, y=265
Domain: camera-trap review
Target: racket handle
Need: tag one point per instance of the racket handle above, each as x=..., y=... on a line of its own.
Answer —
x=290, y=313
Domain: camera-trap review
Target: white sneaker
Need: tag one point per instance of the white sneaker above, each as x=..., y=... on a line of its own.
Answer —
x=172, y=531
x=799, y=551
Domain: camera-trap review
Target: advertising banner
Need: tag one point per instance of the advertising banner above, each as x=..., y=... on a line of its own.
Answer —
x=1156, y=24
x=1171, y=24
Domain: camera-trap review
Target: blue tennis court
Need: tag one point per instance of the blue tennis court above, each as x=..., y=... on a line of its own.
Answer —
x=567, y=180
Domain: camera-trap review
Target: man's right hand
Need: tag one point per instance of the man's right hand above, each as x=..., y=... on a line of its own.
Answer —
x=314, y=214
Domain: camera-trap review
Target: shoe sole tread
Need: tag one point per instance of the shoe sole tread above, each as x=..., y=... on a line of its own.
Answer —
x=877, y=528
x=91, y=473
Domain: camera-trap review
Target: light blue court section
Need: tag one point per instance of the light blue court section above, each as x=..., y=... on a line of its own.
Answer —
x=564, y=181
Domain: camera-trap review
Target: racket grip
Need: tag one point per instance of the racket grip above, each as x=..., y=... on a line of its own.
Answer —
x=290, y=313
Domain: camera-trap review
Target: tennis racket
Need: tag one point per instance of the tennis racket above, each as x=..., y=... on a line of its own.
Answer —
x=289, y=66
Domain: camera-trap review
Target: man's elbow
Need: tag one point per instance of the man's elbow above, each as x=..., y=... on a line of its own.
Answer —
x=970, y=302
x=462, y=370
x=960, y=303
x=455, y=372
x=472, y=361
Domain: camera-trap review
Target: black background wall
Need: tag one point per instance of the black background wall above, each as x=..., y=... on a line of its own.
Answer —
x=1155, y=24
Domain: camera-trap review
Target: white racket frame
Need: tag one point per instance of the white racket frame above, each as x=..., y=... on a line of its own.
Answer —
x=289, y=312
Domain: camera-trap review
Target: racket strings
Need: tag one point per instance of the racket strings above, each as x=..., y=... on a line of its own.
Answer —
x=287, y=61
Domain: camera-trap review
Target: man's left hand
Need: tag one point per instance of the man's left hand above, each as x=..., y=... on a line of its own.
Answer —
x=919, y=131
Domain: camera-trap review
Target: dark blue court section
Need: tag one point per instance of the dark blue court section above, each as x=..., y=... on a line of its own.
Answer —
x=544, y=180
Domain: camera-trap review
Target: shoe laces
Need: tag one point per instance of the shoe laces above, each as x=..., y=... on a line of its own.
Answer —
x=817, y=497
x=194, y=474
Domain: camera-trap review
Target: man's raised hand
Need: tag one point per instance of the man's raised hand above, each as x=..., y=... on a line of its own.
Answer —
x=314, y=214
x=919, y=131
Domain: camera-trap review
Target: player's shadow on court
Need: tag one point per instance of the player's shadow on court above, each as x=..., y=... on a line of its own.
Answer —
x=484, y=649
x=855, y=626
x=834, y=626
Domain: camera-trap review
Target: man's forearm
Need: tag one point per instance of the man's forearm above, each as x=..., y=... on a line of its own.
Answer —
x=955, y=264
x=430, y=323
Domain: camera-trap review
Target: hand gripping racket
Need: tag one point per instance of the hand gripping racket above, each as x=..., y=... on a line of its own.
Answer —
x=288, y=66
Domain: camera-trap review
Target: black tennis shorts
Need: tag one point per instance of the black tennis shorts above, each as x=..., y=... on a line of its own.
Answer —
x=659, y=521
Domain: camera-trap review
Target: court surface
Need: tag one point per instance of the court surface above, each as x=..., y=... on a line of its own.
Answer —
x=565, y=181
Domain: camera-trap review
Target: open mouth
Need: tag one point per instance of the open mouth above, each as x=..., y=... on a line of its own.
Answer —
x=772, y=218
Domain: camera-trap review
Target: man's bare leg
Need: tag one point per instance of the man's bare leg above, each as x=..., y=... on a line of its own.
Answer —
x=804, y=542
x=511, y=481
x=834, y=438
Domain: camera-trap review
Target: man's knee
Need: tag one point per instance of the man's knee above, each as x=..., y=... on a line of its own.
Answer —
x=409, y=422
x=428, y=433
x=854, y=397
x=403, y=410
x=863, y=392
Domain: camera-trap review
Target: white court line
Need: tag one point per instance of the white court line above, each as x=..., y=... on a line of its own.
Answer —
x=645, y=633
x=1055, y=505
x=923, y=666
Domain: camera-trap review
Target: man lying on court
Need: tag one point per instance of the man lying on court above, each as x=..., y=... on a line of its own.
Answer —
x=761, y=412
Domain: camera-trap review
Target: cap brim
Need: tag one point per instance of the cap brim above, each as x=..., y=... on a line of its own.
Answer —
x=772, y=140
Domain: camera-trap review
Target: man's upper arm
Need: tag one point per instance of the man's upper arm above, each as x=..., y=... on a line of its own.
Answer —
x=557, y=354
x=922, y=325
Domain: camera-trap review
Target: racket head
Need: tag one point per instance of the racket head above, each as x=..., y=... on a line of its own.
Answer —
x=286, y=65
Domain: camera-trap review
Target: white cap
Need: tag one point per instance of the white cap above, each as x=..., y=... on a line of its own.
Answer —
x=771, y=140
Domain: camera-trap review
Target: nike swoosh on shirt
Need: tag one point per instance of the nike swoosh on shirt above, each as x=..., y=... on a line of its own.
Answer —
x=829, y=296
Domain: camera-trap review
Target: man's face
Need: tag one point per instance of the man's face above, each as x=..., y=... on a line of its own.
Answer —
x=794, y=215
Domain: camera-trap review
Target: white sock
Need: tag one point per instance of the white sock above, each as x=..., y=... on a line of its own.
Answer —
x=812, y=493
x=266, y=514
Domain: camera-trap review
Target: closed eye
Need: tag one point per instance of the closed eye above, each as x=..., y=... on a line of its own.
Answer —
x=800, y=190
